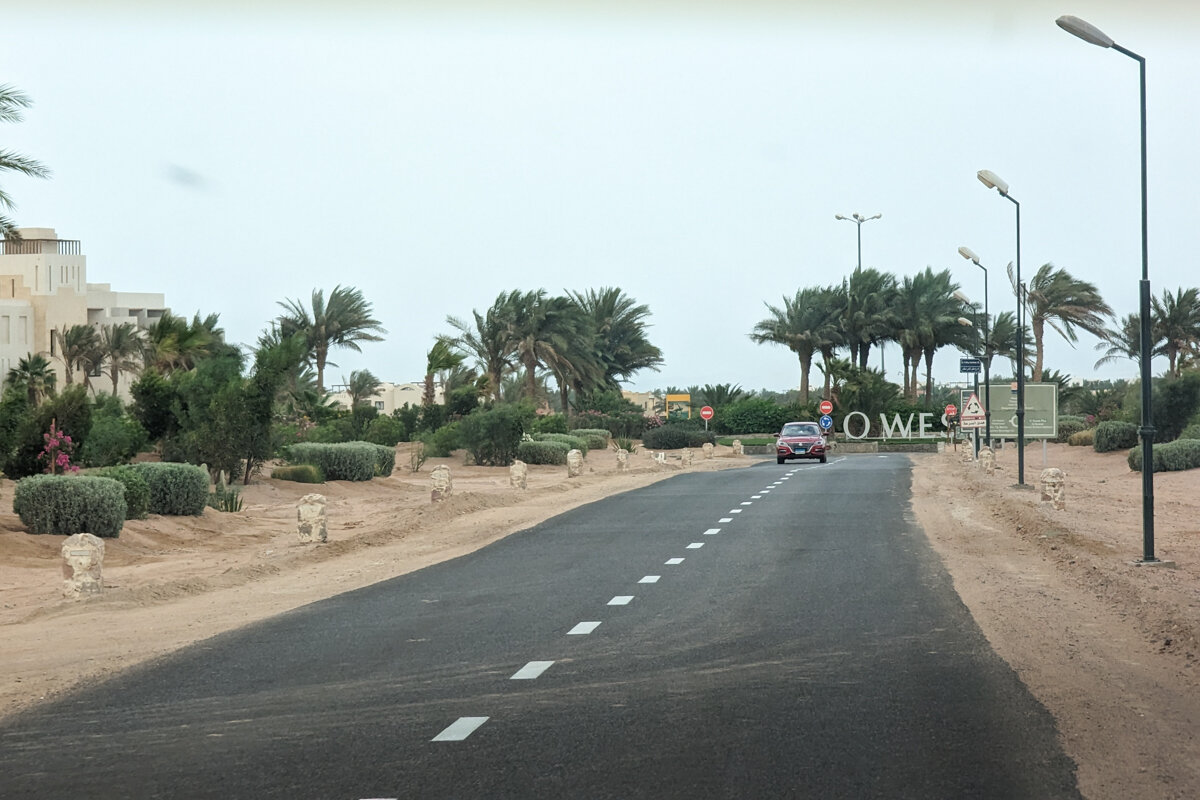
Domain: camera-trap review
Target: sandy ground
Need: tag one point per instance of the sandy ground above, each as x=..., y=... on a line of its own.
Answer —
x=1109, y=647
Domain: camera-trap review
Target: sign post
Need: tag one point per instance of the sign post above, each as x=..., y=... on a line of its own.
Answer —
x=706, y=414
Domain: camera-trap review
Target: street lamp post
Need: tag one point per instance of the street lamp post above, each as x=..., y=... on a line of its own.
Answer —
x=974, y=323
x=992, y=181
x=967, y=253
x=1093, y=35
x=858, y=220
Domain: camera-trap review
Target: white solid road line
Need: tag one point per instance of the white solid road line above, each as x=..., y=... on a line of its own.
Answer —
x=650, y=579
x=460, y=729
x=673, y=561
x=621, y=600
x=695, y=545
x=712, y=531
x=531, y=670
x=583, y=628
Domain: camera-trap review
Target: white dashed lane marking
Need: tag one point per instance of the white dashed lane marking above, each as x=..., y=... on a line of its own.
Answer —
x=747, y=503
x=531, y=670
x=650, y=579
x=670, y=562
x=621, y=600
x=735, y=511
x=695, y=545
x=460, y=729
x=583, y=628
x=725, y=519
x=712, y=531
x=756, y=496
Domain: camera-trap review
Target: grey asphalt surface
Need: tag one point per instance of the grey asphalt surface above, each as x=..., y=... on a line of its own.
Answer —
x=813, y=647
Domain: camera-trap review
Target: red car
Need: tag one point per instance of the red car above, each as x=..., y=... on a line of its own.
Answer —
x=800, y=440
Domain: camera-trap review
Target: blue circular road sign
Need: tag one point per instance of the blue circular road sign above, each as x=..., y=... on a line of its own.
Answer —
x=826, y=421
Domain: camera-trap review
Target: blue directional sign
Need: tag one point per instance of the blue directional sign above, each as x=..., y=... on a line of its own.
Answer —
x=826, y=421
x=970, y=365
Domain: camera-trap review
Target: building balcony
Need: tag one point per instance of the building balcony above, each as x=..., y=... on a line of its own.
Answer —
x=34, y=247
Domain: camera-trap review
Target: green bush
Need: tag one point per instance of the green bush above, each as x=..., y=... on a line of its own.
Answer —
x=1114, y=435
x=1192, y=431
x=1173, y=456
x=491, y=435
x=178, y=490
x=596, y=438
x=299, y=473
x=386, y=431
x=629, y=421
x=550, y=423
x=1085, y=438
x=226, y=499
x=344, y=461
x=1070, y=425
x=573, y=442
x=672, y=437
x=137, y=491
x=69, y=504
x=547, y=452
x=757, y=415
x=442, y=442
x=114, y=437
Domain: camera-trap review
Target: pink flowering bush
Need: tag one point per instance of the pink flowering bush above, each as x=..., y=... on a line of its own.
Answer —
x=57, y=451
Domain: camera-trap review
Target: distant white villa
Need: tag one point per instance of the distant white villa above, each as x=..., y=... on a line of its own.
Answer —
x=43, y=287
x=390, y=396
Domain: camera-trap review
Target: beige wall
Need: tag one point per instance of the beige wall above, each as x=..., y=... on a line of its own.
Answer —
x=391, y=396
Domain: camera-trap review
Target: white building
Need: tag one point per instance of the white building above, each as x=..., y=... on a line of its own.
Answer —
x=43, y=287
x=390, y=396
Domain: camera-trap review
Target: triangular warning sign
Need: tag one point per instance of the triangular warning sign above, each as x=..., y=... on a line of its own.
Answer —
x=973, y=408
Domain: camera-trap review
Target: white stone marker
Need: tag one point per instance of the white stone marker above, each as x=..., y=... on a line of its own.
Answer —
x=574, y=463
x=1054, y=487
x=622, y=460
x=441, y=482
x=83, y=557
x=687, y=457
x=310, y=515
x=518, y=475
x=709, y=450
x=737, y=447
x=987, y=457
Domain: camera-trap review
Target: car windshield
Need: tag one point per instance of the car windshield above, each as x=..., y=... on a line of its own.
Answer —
x=800, y=429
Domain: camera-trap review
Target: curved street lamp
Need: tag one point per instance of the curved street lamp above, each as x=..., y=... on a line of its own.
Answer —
x=1093, y=35
x=993, y=181
x=969, y=254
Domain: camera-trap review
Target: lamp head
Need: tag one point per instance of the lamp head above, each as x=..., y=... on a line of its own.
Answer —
x=968, y=254
x=839, y=216
x=962, y=298
x=964, y=322
x=992, y=181
x=1084, y=30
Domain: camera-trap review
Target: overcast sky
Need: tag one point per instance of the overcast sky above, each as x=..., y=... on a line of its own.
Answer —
x=692, y=154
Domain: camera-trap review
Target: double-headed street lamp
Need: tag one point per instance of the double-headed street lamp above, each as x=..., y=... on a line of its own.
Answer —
x=993, y=181
x=973, y=323
x=1093, y=35
x=968, y=254
x=858, y=220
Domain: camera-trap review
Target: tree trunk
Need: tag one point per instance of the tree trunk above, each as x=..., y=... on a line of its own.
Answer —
x=531, y=378
x=805, y=366
x=1038, y=330
x=928, y=376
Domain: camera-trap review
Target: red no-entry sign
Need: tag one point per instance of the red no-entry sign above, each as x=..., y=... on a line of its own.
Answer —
x=951, y=410
x=826, y=407
x=706, y=412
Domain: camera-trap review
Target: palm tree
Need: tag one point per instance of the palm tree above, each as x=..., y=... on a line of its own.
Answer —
x=36, y=375
x=11, y=103
x=1055, y=298
x=487, y=340
x=927, y=320
x=343, y=321
x=538, y=331
x=1124, y=341
x=802, y=324
x=78, y=348
x=441, y=357
x=171, y=343
x=867, y=316
x=120, y=348
x=1002, y=340
x=361, y=386
x=1176, y=325
x=618, y=326
x=719, y=395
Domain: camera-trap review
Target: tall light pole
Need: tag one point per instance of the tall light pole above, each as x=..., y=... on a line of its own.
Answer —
x=858, y=220
x=974, y=323
x=1093, y=35
x=968, y=254
x=993, y=181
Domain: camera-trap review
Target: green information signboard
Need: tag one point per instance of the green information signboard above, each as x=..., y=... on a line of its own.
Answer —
x=1041, y=410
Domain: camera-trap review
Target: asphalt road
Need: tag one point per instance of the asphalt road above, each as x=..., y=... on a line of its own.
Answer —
x=778, y=631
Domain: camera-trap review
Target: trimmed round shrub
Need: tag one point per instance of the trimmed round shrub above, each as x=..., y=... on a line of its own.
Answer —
x=1173, y=456
x=1191, y=431
x=1082, y=438
x=299, y=473
x=137, y=491
x=345, y=461
x=547, y=452
x=443, y=441
x=386, y=431
x=178, y=490
x=69, y=504
x=596, y=438
x=575, y=442
x=491, y=435
x=1070, y=425
x=1114, y=435
x=550, y=423
x=670, y=437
